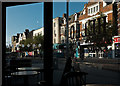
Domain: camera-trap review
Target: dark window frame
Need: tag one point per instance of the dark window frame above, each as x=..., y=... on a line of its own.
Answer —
x=47, y=36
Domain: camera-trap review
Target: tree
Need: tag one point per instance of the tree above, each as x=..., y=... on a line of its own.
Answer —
x=26, y=42
x=38, y=40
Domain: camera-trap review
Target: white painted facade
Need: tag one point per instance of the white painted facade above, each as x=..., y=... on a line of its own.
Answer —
x=76, y=18
x=23, y=36
x=62, y=34
x=56, y=30
x=93, y=9
x=104, y=4
x=71, y=25
x=38, y=31
x=20, y=38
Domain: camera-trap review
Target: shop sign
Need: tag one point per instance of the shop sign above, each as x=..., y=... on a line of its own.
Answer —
x=117, y=40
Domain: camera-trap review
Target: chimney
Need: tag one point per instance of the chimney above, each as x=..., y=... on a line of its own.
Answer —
x=27, y=30
x=18, y=35
x=64, y=15
x=26, y=33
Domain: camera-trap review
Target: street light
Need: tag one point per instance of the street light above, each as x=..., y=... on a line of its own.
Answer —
x=28, y=45
x=23, y=46
x=33, y=47
x=18, y=50
x=39, y=45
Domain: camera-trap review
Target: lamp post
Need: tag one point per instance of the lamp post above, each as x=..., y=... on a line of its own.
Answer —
x=67, y=42
x=39, y=45
x=33, y=48
x=22, y=47
x=18, y=50
x=28, y=45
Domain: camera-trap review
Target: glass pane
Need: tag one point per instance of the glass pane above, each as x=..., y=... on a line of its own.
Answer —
x=96, y=53
x=24, y=39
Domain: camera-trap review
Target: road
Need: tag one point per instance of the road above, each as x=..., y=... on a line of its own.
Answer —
x=99, y=76
x=96, y=75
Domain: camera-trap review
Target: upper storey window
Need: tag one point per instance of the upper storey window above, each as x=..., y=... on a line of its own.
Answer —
x=96, y=8
x=93, y=9
x=64, y=20
x=88, y=11
x=54, y=24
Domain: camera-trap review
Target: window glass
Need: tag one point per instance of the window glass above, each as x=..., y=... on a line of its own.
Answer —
x=54, y=24
x=54, y=40
x=91, y=10
x=96, y=8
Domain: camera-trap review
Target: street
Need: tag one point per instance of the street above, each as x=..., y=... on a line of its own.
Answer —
x=100, y=76
x=96, y=75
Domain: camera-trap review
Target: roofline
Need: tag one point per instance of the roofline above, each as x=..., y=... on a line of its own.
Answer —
x=56, y=17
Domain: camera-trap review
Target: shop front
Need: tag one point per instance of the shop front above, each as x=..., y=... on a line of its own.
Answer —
x=116, y=47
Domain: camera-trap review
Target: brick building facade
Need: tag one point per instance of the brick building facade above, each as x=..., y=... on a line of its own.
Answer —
x=118, y=5
x=94, y=10
x=91, y=10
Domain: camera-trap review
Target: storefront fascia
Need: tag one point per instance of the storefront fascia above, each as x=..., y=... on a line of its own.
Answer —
x=116, y=40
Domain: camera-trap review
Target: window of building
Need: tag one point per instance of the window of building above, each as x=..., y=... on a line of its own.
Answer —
x=54, y=24
x=62, y=31
x=88, y=11
x=64, y=21
x=83, y=26
x=76, y=17
x=91, y=10
x=82, y=13
x=54, y=33
x=96, y=8
x=83, y=33
x=54, y=40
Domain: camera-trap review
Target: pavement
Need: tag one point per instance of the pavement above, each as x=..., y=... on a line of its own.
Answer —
x=36, y=62
x=101, y=71
x=97, y=75
x=106, y=64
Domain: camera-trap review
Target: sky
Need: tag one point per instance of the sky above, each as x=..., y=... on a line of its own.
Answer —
x=30, y=16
